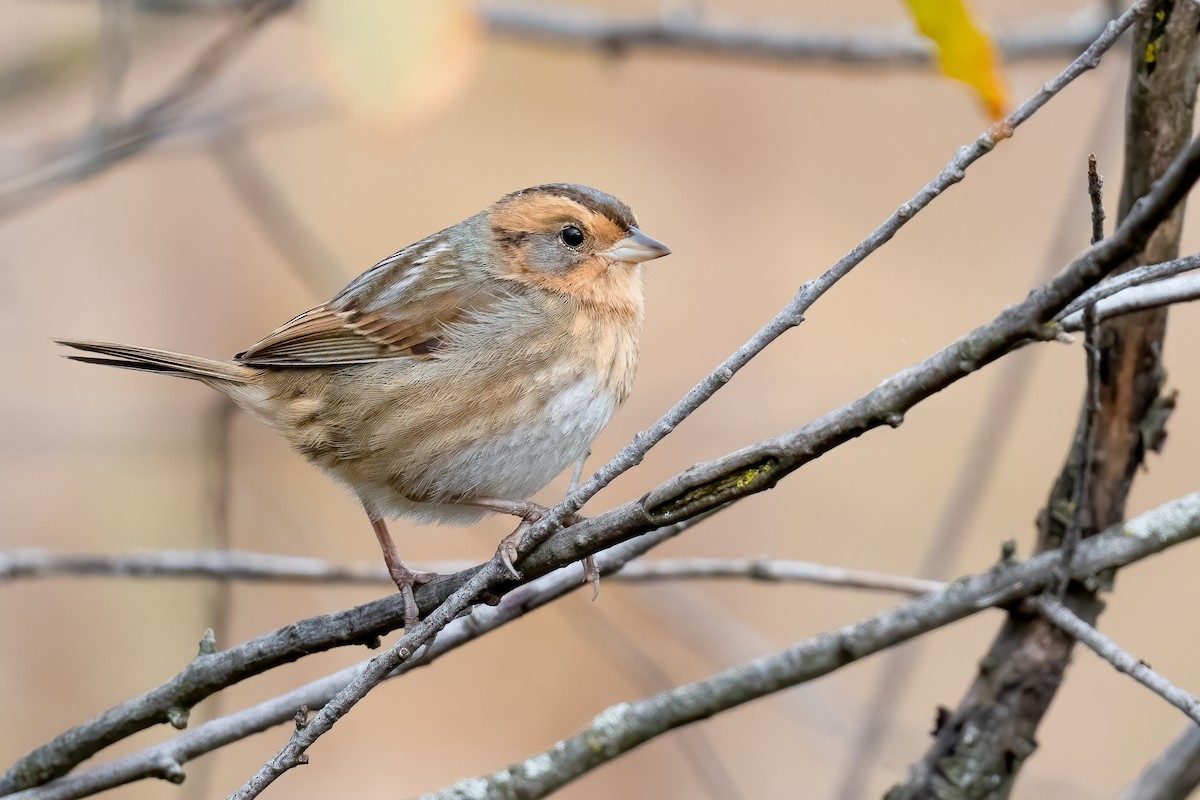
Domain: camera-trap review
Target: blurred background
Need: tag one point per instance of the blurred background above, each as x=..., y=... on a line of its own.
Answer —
x=295, y=172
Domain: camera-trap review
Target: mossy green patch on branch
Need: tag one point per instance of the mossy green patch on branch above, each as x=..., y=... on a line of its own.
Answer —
x=755, y=477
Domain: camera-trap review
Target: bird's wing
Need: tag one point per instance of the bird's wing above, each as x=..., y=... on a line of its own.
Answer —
x=400, y=308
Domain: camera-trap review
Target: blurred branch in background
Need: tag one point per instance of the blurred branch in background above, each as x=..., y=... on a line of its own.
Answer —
x=1172, y=776
x=706, y=765
x=231, y=565
x=106, y=143
x=685, y=32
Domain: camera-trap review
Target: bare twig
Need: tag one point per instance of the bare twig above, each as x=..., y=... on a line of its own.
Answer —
x=1081, y=508
x=623, y=727
x=1095, y=183
x=1134, y=277
x=1174, y=775
x=236, y=565
x=577, y=28
x=1122, y=661
x=1180, y=289
x=101, y=146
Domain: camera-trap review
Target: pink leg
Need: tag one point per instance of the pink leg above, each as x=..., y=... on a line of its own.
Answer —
x=404, y=577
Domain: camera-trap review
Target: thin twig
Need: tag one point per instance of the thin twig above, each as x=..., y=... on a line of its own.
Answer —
x=1082, y=518
x=1134, y=277
x=1095, y=184
x=230, y=565
x=1180, y=289
x=623, y=727
x=1122, y=661
x=689, y=34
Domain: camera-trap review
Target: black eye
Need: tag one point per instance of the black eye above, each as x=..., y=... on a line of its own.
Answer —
x=571, y=236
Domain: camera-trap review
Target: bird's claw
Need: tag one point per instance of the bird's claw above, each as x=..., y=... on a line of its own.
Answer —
x=405, y=580
x=509, y=549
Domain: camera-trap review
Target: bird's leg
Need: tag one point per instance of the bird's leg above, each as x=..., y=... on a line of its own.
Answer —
x=529, y=513
x=404, y=577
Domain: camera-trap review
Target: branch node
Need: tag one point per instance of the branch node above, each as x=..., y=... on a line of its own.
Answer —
x=169, y=769
x=1008, y=553
x=894, y=420
x=208, y=643
x=177, y=716
x=999, y=131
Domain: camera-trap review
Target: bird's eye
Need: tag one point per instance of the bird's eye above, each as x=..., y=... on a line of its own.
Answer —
x=571, y=236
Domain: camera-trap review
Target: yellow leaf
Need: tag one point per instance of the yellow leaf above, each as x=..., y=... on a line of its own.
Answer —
x=397, y=62
x=965, y=52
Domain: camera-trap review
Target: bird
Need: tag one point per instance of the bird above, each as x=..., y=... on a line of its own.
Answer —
x=459, y=375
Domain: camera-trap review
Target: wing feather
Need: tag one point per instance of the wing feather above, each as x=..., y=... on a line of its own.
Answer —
x=400, y=308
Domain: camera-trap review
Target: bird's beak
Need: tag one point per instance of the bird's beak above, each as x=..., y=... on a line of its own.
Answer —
x=636, y=248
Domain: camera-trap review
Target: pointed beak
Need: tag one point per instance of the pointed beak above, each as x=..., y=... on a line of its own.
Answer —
x=636, y=248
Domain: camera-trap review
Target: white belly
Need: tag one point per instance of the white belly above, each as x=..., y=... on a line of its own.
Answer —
x=513, y=466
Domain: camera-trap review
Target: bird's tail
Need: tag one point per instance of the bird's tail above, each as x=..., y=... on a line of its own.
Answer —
x=147, y=360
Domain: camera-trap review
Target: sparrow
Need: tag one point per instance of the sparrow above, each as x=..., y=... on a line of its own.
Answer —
x=459, y=375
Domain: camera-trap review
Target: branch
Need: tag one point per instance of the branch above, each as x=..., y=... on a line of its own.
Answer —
x=105, y=144
x=228, y=565
x=583, y=28
x=623, y=727
x=704, y=487
x=1134, y=277
x=1180, y=289
x=1111, y=652
x=1172, y=776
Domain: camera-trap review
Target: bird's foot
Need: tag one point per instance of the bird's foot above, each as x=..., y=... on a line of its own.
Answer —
x=530, y=513
x=406, y=579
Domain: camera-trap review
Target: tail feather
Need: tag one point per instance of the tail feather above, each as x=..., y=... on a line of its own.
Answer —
x=146, y=359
